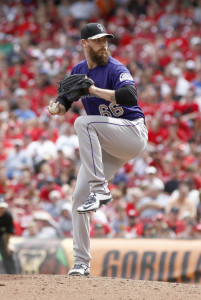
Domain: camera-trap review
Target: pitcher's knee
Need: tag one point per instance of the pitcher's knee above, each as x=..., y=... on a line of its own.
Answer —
x=80, y=123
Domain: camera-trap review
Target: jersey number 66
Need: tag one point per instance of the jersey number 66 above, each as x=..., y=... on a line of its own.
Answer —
x=111, y=110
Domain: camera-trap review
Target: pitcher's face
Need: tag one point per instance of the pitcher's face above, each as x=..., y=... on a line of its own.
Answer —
x=98, y=50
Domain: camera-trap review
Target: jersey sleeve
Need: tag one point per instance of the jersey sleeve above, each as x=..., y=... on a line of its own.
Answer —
x=73, y=71
x=121, y=76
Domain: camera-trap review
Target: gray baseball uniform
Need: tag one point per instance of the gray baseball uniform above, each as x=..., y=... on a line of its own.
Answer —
x=109, y=136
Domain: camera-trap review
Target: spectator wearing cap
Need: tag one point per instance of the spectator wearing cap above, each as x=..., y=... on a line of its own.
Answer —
x=47, y=227
x=181, y=200
x=6, y=231
x=51, y=65
x=190, y=70
x=100, y=230
x=174, y=222
x=135, y=227
x=154, y=202
x=148, y=231
x=31, y=230
x=49, y=186
x=53, y=207
x=189, y=231
x=161, y=228
x=65, y=220
x=153, y=178
x=134, y=195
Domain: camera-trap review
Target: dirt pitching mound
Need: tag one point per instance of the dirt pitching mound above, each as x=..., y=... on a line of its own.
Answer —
x=52, y=287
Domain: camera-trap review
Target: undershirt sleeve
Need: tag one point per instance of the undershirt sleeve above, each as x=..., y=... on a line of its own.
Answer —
x=62, y=100
x=127, y=95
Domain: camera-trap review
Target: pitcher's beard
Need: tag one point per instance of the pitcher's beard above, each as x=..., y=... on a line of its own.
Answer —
x=100, y=58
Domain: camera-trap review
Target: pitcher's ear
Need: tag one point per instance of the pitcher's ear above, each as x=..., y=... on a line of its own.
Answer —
x=83, y=43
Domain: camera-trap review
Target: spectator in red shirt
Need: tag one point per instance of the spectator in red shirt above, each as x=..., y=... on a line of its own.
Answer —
x=99, y=230
x=178, y=131
x=49, y=186
x=189, y=231
x=134, y=194
x=157, y=133
x=190, y=70
x=188, y=107
x=163, y=56
x=161, y=228
x=173, y=220
x=135, y=227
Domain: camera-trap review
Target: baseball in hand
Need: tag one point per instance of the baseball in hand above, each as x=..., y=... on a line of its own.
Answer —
x=53, y=108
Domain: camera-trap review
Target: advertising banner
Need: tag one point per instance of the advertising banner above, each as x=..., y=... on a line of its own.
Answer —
x=140, y=259
x=148, y=259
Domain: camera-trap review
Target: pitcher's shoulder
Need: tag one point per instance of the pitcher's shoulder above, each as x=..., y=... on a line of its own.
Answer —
x=79, y=67
x=114, y=62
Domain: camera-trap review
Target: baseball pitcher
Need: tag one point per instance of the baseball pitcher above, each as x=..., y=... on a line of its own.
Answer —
x=112, y=132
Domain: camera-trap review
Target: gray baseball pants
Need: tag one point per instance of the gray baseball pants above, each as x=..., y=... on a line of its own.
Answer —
x=105, y=145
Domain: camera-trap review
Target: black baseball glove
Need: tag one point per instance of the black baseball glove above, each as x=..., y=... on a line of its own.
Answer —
x=75, y=86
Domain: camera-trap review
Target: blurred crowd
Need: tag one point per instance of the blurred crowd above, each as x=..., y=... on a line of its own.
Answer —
x=158, y=194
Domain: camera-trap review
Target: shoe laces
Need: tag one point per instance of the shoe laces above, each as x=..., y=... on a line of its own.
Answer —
x=91, y=199
x=78, y=266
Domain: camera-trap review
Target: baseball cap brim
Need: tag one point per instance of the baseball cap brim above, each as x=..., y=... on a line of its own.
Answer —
x=100, y=35
x=3, y=204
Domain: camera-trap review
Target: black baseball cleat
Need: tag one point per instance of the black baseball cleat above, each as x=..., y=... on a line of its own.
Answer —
x=79, y=270
x=94, y=202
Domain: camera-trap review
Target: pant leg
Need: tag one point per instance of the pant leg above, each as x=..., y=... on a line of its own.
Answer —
x=7, y=259
x=81, y=222
x=120, y=138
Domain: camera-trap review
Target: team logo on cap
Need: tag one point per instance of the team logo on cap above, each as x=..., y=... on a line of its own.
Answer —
x=100, y=27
